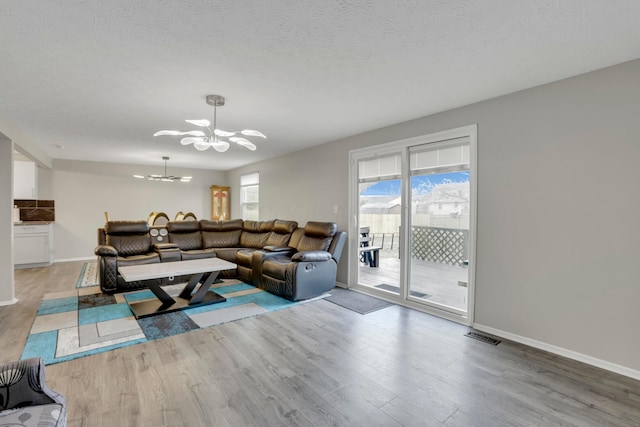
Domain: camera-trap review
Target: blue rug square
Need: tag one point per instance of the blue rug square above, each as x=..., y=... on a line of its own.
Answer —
x=59, y=305
x=103, y=313
x=95, y=300
x=166, y=325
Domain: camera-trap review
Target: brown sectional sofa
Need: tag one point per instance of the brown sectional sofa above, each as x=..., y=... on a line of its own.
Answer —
x=277, y=255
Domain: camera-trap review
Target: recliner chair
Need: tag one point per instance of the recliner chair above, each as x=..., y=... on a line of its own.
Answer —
x=306, y=268
x=127, y=243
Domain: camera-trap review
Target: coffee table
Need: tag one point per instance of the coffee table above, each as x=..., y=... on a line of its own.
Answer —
x=165, y=303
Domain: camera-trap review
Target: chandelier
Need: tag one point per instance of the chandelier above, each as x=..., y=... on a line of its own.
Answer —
x=165, y=177
x=202, y=141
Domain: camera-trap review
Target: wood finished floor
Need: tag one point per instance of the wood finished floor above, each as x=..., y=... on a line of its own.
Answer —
x=319, y=364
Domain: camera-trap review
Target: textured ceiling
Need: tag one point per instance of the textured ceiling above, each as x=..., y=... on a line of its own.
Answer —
x=100, y=77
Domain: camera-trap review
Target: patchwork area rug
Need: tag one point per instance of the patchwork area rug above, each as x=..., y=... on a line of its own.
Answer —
x=88, y=275
x=85, y=321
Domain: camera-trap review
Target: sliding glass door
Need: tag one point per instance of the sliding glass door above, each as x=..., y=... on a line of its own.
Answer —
x=413, y=208
x=379, y=217
x=439, y=224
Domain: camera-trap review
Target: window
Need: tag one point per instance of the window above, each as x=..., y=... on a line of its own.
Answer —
x=250, y=196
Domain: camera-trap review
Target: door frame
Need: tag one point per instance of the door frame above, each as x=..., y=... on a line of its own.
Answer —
x=401, y=146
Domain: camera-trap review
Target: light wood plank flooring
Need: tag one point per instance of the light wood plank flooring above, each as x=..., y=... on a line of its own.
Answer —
x=319, y=364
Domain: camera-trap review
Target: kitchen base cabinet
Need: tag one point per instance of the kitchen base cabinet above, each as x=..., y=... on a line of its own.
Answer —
x=32, y=245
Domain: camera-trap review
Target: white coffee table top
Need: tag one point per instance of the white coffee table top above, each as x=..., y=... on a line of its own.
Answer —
x=177, y=268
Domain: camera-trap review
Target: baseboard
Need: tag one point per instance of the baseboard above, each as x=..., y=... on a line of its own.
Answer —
x=91, y=258
x=570, y=354
x=11, y=302
x=342, y=285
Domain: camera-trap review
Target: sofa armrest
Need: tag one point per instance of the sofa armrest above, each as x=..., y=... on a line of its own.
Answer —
x=279, y=249
x=168, y=251
x=164, y=246
x=105, y=250
x=311, y=256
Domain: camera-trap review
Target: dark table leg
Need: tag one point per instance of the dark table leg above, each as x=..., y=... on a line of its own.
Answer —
x=189, y=287
x=160, y=293
x=203, y=289
x=167, y=304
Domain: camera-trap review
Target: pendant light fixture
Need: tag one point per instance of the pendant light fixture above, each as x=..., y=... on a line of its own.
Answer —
x=213, y=138
x=165, y=177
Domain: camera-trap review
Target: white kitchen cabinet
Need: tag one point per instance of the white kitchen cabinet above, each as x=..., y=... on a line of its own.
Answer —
x=25, y=178
x=32, y=245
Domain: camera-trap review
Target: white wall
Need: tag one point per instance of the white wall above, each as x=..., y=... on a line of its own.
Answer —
x=23, y=144
x=554, y=268
x=45, y=183
x=83, y=191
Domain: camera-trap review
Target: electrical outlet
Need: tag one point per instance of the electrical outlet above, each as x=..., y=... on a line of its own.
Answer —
x=461, y=283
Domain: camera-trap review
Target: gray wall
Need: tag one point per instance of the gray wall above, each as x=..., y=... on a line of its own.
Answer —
x=558, y=203
x=83, y=191
x=7, y=294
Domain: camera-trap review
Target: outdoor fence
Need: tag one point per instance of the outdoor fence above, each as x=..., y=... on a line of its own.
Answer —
x=385, y=240
x=443, y=245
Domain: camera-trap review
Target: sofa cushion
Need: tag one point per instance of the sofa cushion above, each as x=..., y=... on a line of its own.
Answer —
x=244, y=257
x=182, y=226
x=186, y=241
x=320, y=229
x=317, y=236
x=258, y=226
x=255, y=234
x=33, y=416
x=130, y=244
x=198, y=254
x=126, y=227
x=128, y=237
x=186, y=234
x=227, y=254
x=281, y=233
x=221, y=234
x=224, y=225
x=276, y=266
x=149, y=258
x=284, y=227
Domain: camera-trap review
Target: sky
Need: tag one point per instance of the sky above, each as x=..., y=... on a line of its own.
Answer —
x=425, y=182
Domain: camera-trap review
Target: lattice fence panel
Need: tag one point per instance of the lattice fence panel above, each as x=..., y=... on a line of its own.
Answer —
x=444, y=245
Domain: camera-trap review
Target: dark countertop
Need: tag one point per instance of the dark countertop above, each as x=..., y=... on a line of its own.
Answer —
x=33, y=223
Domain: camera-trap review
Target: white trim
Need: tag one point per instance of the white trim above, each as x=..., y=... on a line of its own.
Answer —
x=76, y=259
x=10, y=302
x=342, y=285
x=473, y=222
x=561, y=351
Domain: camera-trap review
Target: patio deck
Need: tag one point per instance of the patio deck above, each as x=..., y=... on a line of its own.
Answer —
x=439, y=281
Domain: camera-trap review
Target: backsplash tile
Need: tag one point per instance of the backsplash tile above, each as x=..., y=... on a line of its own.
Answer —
x=36, y=210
